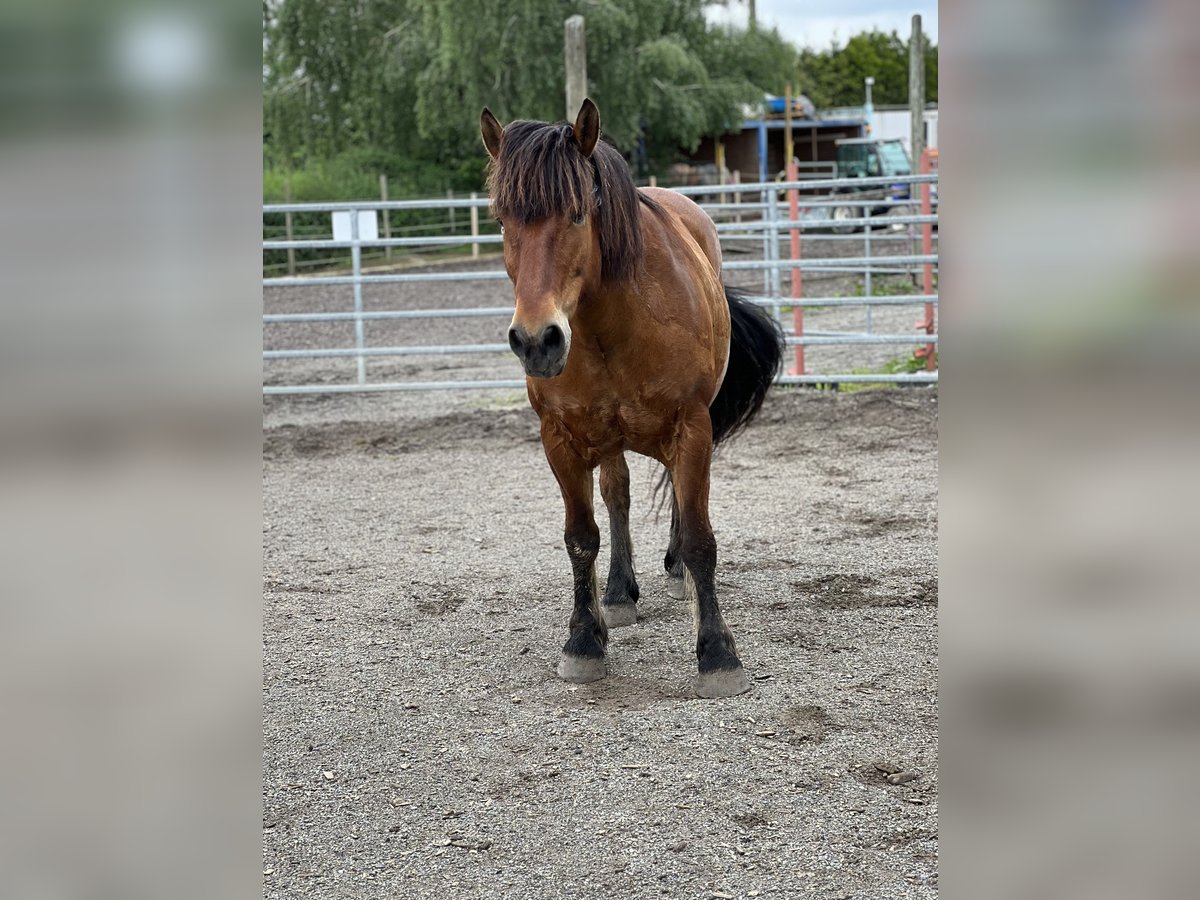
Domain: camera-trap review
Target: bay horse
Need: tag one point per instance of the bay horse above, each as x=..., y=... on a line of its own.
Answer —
x=630, y=342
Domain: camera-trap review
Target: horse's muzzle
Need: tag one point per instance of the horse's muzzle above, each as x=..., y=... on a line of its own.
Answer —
x=543, y=356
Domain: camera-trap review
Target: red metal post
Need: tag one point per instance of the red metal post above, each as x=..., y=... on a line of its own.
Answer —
x=797, y=283
x=928, y=324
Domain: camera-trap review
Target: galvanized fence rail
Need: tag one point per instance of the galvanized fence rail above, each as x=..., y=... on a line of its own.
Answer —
x=781, y=211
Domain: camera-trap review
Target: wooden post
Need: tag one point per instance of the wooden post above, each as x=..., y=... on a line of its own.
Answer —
x=450, y=196
x=653, y=181
x=387, y=214
x=575, y=58
x=720, y=160
x=287, y=223
x=789, y=149
x=916, y=88
x=737, y=195
x=474, y=226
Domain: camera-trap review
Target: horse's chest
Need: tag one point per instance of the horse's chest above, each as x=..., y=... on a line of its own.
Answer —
x=598, y=425
x=605, y=427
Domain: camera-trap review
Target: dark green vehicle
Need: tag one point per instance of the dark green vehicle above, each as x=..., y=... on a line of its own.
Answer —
x=870, y=158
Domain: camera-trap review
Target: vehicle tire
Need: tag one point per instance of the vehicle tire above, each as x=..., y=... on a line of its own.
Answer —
x=841, y=213
x=900, y=211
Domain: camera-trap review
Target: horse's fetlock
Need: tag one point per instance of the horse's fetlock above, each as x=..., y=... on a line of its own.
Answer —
x=717, y=650
x=587, y=640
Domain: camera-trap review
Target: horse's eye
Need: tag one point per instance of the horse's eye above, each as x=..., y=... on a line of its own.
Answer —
x=578, y=220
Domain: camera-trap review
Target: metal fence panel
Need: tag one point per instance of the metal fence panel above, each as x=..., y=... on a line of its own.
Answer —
x=759, y=217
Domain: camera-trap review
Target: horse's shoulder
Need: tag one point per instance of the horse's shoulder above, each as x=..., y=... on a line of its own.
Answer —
x=694, y=220
x=674, y=202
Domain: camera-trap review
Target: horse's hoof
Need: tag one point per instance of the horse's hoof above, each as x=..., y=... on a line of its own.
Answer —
x=675, y=588
x=581, y=669
x=618, y=615
x=722, y=683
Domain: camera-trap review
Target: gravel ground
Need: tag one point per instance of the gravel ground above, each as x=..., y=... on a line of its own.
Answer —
x=417, y=741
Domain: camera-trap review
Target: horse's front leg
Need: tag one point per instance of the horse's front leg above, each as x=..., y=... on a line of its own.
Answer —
x=621, y=591
x=720, y=669
x=582, y=657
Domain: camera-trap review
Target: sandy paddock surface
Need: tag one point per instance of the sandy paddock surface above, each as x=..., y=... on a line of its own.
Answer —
x=417, y=741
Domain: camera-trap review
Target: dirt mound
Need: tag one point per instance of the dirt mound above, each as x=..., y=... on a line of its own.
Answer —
x=326, y=439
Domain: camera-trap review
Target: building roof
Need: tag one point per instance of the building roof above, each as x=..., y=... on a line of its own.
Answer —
x=754, y=124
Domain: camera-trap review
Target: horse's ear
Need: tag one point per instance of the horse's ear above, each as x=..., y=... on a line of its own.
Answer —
x=493, y=132
x=587, y=127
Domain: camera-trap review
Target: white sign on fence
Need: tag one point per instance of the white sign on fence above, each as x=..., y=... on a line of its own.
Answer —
x=368, y=225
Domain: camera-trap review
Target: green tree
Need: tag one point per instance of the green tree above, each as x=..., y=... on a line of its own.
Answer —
x=397, y=85
x=656, y=68
x=834, y=77
x=660, y=71
x=411, y=75
x=337, y=74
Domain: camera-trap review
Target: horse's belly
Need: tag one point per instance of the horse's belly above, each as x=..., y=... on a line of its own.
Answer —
x=628, y=426
x=645, y=430
x=614, y=428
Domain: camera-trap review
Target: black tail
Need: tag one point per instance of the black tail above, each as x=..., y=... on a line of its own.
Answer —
x=755, y=356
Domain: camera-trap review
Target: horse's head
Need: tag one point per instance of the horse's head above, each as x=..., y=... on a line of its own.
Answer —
x=545, y=195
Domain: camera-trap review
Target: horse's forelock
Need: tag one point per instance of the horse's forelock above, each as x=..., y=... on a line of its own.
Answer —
x=540, y=172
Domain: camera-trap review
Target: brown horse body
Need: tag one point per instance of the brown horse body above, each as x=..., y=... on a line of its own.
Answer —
x=624, y=328
x=642, y=354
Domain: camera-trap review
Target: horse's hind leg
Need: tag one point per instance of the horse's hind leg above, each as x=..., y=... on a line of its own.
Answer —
x=621, y=592
x=720, y=670
x=582, y=657
x=673, y=561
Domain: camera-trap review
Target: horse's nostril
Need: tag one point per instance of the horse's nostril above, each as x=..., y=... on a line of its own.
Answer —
x=552, y=337
x=514, y=340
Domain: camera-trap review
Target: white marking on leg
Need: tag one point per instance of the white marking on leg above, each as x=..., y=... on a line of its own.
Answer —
x=693, y=597
x=596, y=614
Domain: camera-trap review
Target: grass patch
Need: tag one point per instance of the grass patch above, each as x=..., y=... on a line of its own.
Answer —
x=897, y=366
x=893, y=286
x=884, y=286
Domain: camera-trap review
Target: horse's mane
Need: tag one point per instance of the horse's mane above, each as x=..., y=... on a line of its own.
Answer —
x=540, y=172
